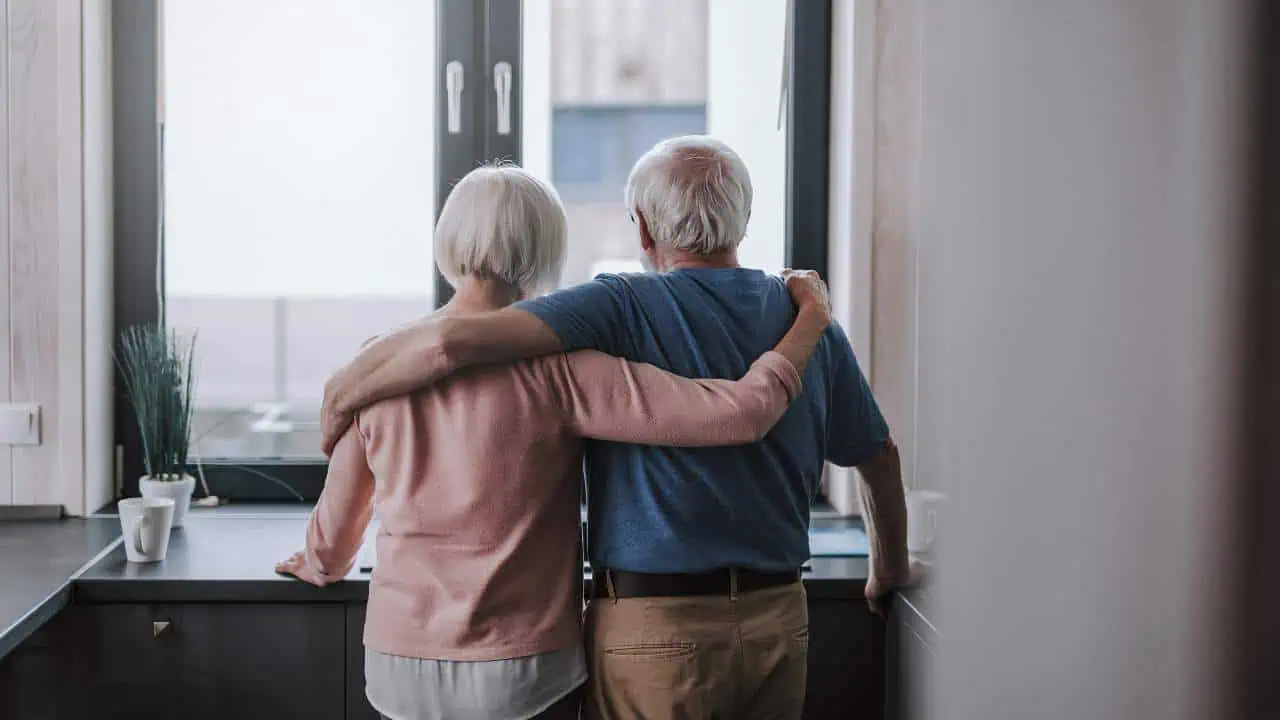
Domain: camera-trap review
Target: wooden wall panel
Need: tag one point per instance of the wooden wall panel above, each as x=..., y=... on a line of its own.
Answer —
x=33, y=240
x=849, y=228
x=875, y=236
x=895, y=232
x=6, y=455
x=44, y=194
x=68, y=445
x=99, y=442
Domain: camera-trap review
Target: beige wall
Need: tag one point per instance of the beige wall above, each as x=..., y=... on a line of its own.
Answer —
x=895, y=224
x=1078, y=233
x=875, y=180
x=42, y=240
x=1045, y=197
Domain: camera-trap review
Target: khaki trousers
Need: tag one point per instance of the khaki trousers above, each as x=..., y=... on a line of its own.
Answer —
x=698, y=658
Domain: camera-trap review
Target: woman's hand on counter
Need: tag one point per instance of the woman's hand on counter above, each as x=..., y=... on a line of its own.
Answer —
x=296, y=567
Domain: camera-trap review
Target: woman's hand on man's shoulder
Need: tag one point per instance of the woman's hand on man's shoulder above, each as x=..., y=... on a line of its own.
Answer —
x=807, y=289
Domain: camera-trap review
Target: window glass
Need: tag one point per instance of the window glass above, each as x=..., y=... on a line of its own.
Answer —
x=299, y=170
x=594, y=147
x=606, y=79
x=298, y=200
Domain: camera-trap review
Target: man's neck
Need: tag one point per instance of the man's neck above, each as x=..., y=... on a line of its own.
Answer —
x=682, y=260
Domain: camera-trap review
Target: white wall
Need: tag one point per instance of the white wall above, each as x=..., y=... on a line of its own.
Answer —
x=1078, y=240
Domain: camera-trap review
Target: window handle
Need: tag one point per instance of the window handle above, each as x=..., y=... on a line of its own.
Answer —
x=502, y=87
x=453, y=90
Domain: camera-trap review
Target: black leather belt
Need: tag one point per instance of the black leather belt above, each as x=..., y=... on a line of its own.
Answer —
x=717, y=582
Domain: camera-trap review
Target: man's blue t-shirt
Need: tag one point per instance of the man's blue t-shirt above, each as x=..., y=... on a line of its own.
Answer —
x=681, y=510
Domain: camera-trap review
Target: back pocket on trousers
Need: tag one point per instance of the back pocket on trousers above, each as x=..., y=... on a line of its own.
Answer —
x=651, y=651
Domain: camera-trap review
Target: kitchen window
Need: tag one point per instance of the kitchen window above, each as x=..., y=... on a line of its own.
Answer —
x=280, y=164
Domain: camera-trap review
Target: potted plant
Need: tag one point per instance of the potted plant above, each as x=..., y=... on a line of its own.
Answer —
x=159, y=382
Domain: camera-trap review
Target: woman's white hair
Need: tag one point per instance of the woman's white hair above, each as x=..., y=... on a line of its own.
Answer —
x=500, y=222
x=694, y=193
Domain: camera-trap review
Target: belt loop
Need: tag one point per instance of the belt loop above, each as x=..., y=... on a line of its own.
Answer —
x=733, y=584
x=608, y=583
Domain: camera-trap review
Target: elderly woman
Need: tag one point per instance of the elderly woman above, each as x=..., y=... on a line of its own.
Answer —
x=475, y=604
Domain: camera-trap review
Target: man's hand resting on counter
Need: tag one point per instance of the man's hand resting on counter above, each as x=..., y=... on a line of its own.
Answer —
x=878, y=589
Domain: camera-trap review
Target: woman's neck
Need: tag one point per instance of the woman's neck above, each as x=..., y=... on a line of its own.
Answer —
x=481, y=295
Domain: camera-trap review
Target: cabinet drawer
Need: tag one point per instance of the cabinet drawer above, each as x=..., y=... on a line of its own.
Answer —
x=282, y=661
x=183, y=661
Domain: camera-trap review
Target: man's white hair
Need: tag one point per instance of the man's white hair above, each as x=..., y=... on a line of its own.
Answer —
x=500, y=222
x=694, y=193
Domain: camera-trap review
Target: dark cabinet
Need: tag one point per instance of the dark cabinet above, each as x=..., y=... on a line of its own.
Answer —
x=180, y=661
x=80, y=665
x=284, y=661
x=44, y=678
x=144, y=661
x=846, y=662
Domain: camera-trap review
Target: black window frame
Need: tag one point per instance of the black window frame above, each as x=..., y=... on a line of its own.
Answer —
x=479, y=34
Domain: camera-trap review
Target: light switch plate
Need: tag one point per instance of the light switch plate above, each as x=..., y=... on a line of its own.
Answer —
x=19, y=424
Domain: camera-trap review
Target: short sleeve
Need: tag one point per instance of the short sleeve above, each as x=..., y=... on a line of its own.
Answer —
x=584, y=317
x=855, y=428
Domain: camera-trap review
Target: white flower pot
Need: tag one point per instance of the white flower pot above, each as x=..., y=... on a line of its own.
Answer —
x=177, y=490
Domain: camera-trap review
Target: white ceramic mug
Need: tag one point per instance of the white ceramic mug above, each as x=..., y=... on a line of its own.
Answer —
x=922, y=519
x=145, y=524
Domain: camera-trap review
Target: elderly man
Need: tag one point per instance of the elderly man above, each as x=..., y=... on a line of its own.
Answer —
x=697, y=609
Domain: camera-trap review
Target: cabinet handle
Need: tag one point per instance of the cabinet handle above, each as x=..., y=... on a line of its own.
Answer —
x=158, y=627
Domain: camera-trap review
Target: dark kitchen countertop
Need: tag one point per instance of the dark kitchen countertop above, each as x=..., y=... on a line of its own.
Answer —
x=225, y=554
x=229, y=557
x=38, y=559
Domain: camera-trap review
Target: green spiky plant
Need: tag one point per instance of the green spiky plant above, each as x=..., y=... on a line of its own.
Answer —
x=160, y=383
